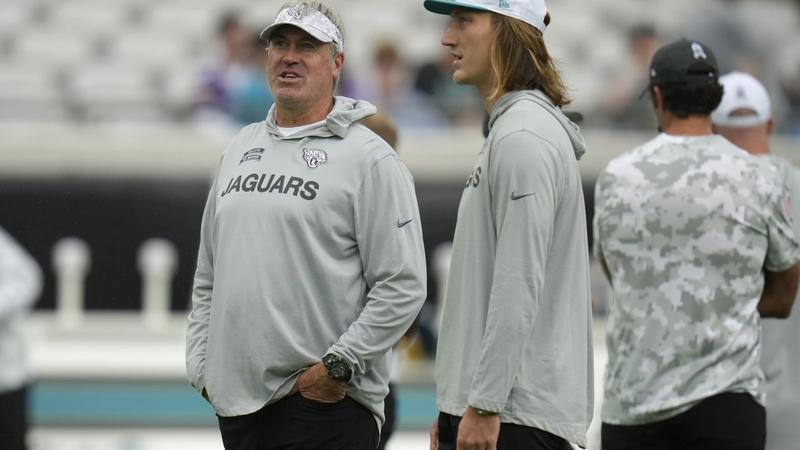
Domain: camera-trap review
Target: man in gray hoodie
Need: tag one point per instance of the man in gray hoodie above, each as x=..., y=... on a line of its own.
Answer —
x=514, y=361
x=311, y=263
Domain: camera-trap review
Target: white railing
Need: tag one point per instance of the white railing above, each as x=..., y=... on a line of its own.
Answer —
x=157, y=262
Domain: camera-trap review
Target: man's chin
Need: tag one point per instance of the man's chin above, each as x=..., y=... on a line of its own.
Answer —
x=287, y=100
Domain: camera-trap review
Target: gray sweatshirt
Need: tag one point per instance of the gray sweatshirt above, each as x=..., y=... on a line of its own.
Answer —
x=515, y=336
x=310, y=244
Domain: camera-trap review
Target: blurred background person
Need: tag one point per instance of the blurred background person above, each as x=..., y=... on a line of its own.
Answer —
x=789, y=89
x=233, y=90
x=20, y=285
x=461, y=104
x=747, y=36
x=250, y=98
x=744, y=117
x=381, y=125
x=718, y=25
x=390, y=90
x=622, y=106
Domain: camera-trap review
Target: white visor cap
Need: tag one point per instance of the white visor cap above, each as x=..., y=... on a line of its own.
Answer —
x=309, y=20
x=742, y=93
x=531, y=12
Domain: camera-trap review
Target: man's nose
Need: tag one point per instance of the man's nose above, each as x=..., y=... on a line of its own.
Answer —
x=447, y=37
x=291, y=55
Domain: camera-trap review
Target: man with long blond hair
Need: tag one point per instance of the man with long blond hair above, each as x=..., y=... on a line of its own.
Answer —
x=514, y=363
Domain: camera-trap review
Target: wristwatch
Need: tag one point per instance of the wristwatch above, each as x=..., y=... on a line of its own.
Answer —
x=338, y=368
x=483, y=412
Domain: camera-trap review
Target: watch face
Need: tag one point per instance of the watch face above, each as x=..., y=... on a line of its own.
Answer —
x=338, y=369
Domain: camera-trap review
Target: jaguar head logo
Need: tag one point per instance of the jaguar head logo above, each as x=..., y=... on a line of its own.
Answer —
x=314, y=157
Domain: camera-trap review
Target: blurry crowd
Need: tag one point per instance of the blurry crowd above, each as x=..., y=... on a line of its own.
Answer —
x=420, y=95
x=233, y=90
x=741, y=44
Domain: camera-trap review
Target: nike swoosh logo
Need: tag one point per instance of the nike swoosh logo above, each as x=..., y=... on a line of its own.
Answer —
x=514, y=195
x=402, y=224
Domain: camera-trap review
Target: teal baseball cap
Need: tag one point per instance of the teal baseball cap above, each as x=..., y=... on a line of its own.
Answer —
x=532, y=12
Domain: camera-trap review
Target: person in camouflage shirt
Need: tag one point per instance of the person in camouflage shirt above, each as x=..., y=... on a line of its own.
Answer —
x=695, y=237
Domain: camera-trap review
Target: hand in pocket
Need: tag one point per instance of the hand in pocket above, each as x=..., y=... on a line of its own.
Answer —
x=315, y=384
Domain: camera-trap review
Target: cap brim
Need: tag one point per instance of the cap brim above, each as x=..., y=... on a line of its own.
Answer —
x=446, y=7
x=267, y=32
x=646, y=90
x=740, y=121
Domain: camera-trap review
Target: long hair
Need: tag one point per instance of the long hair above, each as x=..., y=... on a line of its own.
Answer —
x=519, y=60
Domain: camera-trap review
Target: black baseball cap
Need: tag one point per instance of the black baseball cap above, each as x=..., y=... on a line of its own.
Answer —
x=684, y=61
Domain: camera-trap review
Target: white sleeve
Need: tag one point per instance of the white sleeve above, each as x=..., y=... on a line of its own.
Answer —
x=20, y=277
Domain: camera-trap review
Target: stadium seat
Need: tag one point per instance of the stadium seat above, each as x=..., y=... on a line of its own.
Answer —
x=14, y=16
x=54, y=48
x=177, y=89
x=109, y=93
x=150, y=50
x=180, y=19
x=90, y=15
x=30, y=93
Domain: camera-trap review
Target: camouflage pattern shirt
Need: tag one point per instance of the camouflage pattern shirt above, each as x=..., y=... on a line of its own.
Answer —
x=686, y=226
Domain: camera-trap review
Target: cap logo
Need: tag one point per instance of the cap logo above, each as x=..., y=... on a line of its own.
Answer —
x=504, y=4
x=698, y=51
x=294, y=13
x=313, y=22
x=741, y=94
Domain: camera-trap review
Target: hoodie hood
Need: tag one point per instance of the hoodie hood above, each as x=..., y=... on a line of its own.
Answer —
x=346, y=111
x=538, y=97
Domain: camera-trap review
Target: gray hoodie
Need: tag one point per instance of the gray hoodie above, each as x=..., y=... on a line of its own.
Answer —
x=310, y=244
x=515, y=336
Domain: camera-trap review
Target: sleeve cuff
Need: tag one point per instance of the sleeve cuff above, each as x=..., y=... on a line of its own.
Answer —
x=486, y=404
x=353, y=364
x=198, y=382
x=781, y=266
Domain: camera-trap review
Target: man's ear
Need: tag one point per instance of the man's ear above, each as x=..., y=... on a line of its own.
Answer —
x=770, y=126
x=658, y=98
x=338, y=62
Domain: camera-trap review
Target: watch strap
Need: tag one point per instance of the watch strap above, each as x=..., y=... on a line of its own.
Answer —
x=483, y=412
